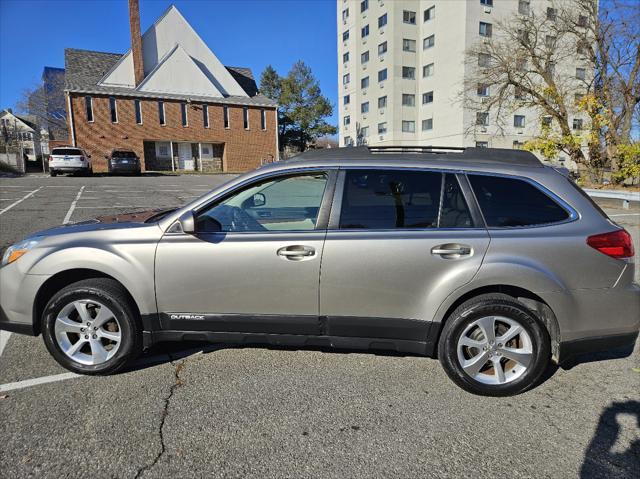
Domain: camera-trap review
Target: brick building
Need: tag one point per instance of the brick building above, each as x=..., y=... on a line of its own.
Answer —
x=170, y=100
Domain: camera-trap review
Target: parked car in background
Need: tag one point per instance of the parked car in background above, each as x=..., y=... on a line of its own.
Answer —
x=69, y=159
x=123, y=161
x=483, y=258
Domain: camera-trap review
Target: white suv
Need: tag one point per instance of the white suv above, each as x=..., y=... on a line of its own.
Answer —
x=69, y=160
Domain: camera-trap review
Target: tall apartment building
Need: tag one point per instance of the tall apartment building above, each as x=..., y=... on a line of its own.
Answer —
x=401, y=72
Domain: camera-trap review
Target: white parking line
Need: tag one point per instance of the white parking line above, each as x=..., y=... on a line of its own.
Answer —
x=625, y=214
x=36, y=381
x=20, y=200
x=72, y=207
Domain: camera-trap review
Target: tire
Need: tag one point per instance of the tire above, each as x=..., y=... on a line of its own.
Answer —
x=99, y=353
x=53, y=173
x=476, y=370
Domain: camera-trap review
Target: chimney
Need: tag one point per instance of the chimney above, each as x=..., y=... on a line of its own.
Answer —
x=136, y=41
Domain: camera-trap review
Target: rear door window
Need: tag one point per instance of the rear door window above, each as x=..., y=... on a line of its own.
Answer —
x=396, y=199
x=510, y=202
x=66, y=151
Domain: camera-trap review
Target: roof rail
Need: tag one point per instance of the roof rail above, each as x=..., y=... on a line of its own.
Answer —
x=415, y=149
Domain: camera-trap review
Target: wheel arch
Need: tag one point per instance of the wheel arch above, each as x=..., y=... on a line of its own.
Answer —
x=533, y=302
x=64, y=278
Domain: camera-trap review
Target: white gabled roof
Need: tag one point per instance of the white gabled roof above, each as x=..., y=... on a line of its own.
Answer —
x=176, y=60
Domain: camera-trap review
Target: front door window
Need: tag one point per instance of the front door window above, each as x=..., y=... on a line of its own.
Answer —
x=289, y=203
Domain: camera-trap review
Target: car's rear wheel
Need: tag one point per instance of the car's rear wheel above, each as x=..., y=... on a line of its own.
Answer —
x=493, y=345
x=90, y=327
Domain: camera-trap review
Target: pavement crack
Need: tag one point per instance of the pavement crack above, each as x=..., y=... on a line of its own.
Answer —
x=178, y=367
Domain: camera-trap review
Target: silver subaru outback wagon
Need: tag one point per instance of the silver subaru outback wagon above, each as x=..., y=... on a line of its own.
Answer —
x=484, y=258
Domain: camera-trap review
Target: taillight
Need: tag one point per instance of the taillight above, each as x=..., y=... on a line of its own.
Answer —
x=617, y=244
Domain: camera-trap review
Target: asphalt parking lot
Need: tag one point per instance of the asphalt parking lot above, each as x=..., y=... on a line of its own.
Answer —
x=219, y=411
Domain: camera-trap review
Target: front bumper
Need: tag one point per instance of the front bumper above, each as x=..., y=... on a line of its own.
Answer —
x=17, y=297
x=21, y=328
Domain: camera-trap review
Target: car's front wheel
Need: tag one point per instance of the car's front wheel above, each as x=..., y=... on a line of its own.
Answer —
x=90, y=327
x=493, y=345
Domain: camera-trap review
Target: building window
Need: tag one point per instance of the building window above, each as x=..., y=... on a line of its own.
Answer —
x=161, y=113
x=519, y=93
x=482, y=118
x=518, y=121
x=427, y=97
x=183, y=114
x=430, y=13
x=581, y=73
x=345, y=35
x=484, y=59
x=523, y=7
x=482, y=144
x=408, y=99
x=113, y=108
x=382, y=75
x=521, y=65
x=346, y=99
x=364, y=5
x=427, y=124
x=550, y=41
x=382, y=48
x=382, y=102
x=582, y=21
x=365, y=31
x=408, y=45
x=408, y=126
x=364, y=107
x=409, y=73
x=546, y=121
x=137, y=108
x=382, y=20
x=485, y=29
x=581, y=47
x=205, y=115
x=483, y=90
x=263, y=119
x=88, y=104
x=346, y=78
x=382, y=128
x=577, y=98
x=486, y=3
x=225, y=117
x=551, y=14
x=427, y=70
x=364, y=83
x=347, y=141
x=364, y=132
x=429, y=42
x=577, y=123
x=345, y=14
x=347, y=120
x=245, y=117
x=345, y=57
x=364, y=57
x=409, y=17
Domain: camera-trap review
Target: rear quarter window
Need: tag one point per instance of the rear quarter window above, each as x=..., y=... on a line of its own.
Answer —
x=510, y=202
x=66, y=151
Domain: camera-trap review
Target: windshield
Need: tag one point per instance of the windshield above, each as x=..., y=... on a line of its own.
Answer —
x=123, y=154
x=66, y=151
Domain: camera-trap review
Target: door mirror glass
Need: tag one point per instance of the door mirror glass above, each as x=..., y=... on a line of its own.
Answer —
x=254, y=201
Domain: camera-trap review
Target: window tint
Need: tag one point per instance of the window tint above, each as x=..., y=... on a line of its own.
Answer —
x=66, y=151
x=511, y=202
x=376, y=199
x=123, y=154
x=288, y=203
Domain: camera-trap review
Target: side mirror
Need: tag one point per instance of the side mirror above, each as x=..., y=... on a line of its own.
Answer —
x=254, y=201
x=188, y=222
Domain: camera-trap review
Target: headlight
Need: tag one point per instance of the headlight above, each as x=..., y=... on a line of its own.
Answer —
x=15, y=251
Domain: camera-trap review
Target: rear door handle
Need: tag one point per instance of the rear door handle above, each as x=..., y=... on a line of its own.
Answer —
x=451, y=250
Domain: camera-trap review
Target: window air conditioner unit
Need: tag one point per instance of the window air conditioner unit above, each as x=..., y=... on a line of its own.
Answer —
x=381, y=137
x=487, y=9
x=484, y=100
x=381, y=84
x=483, y=130
x=485, y=40
x=382, y=111
x=364, y=117
x=520, y=132
x=364, y=67
x=364, y=92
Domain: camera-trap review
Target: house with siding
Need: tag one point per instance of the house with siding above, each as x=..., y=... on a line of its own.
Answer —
x=169, y=99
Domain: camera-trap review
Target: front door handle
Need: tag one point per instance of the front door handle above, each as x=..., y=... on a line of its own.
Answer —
x=296, y=252
x=451, y=250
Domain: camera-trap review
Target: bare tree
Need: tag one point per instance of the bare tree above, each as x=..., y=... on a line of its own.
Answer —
x=530, y=61
x=45, y=105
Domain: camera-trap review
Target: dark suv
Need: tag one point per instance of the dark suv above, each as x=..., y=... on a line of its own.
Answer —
x=123, y=161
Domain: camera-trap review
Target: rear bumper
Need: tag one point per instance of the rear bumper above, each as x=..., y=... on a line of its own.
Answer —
x=128, y=168
x=68, y=168
x=572, y=352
